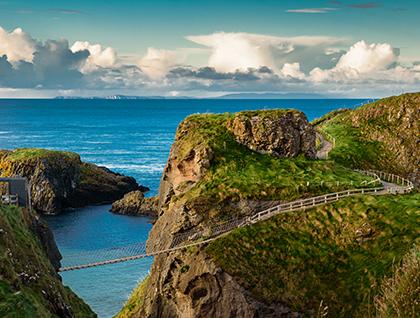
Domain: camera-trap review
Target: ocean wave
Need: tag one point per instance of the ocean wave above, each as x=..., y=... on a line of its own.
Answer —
x=151, y=168
x=98, y=142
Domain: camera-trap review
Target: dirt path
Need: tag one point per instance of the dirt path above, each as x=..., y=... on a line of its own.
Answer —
x=326, y=147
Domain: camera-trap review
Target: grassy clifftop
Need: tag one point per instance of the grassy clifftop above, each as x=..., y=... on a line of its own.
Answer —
x=382, y=135
x=338, y=254
x=236, y=172
x=212, y=176
x=29, y=285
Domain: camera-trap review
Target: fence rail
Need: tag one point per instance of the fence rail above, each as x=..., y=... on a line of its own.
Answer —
x=392, y=183
x=10, y=199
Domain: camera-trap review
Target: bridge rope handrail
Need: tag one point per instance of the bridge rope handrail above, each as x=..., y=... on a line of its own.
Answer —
x=198, y=237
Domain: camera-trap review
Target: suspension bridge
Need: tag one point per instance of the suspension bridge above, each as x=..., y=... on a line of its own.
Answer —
x=387, y=184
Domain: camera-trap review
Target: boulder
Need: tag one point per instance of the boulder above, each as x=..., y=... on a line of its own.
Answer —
x=282, y=133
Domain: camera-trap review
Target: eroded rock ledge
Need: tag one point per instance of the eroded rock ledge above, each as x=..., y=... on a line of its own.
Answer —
x=134, y=203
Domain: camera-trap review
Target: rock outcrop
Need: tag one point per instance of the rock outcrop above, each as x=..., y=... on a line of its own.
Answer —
x=188, y=283
x=134, y=203
x=280, y=133
x=60, y=180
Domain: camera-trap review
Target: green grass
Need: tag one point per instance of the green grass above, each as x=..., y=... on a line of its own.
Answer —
x=134, y=303
x=352, y=150
x=33, y=153
x=25, y=272
x=238, y=173
x=400, y=293
x=380, y=135
x=337, y=253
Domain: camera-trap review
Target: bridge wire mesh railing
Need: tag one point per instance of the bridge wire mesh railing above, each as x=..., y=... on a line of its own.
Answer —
x=212, y=231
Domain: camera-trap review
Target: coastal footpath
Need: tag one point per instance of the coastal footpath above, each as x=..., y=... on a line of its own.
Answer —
x=60, y=180
x=327, y=260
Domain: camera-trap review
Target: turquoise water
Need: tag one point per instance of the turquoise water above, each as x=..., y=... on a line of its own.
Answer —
x=128, y=136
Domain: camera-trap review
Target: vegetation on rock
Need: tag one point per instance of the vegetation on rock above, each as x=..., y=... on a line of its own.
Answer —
x=134, y=203
x=211, y=176
x=29, y=284
x=338, y=253
x=381, y=135
x=134, y=302
x=234, y=172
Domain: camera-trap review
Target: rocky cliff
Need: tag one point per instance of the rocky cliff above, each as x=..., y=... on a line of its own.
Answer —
x=60, y=180
x=29, y=284
x=217, y=169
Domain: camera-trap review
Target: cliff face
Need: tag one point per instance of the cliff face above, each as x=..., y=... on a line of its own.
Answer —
x=29, y=284
x=188, y=283
x=60, y=179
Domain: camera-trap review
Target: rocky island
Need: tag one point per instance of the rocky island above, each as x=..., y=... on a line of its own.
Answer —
x=60, y=180
x=331, y=260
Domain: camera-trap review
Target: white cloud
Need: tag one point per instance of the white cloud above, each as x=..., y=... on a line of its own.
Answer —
x=362, y=61
x=17, y=45
x=98, y=57
x=292, y=70
x=228, y=62
x=239, y=51
x=156, y=63
x=311, y=10
x=367, y=58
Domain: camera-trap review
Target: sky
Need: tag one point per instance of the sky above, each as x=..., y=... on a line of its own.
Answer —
x=346, y=48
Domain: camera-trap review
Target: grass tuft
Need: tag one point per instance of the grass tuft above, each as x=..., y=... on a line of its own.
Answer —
x=400, y=293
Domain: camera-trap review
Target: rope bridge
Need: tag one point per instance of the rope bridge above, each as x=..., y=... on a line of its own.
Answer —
x=390, y=184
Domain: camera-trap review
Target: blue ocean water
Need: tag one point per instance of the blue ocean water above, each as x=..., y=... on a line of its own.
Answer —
x=128, y=136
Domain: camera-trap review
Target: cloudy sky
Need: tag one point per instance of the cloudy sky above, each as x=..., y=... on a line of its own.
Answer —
x=344, y=48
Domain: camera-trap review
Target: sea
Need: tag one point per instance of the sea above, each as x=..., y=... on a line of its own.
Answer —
x=132, y=137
